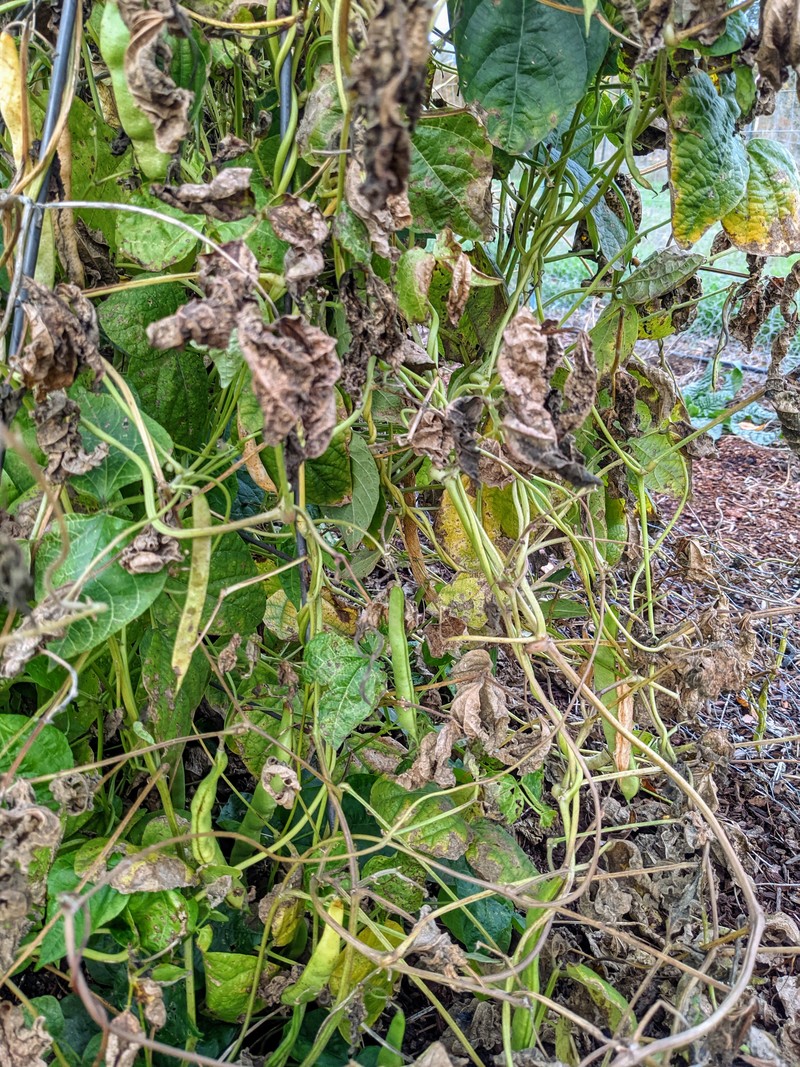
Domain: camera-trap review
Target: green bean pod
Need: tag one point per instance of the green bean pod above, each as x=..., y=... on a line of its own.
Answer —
x=113, y=43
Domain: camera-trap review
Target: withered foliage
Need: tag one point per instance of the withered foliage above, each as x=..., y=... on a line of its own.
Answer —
x=303, y=226
x=122, y=1051
x=783, y=390
x=57, y=420
x=29, y=639
x=25, y=828
x=537, y=432
x=779, y=45
x=226, y=197
x=229, y=147
x=147, y=63
x=759, y=295
x=22, y=1045
x=16, y=584
x=375, y=327
x=64, y=338
x=149, y=552
x=389, y=79
x=381, y=222
x=646, y=27
x=436, y=434
x=74, y=792
x=212, y=320
x=294, y=367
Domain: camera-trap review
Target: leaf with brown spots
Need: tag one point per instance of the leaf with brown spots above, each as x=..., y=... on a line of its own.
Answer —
x=226, y=197
x=20, y=1045
x=779, y=44
x=63, y=341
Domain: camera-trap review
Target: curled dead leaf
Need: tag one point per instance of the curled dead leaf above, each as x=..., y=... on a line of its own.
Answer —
x=375, y=328
x=459, y=291
x=229, y=147
x=479, y=706
x=27, y=640
x=227, y=289
x=779, y=44
x=64, y=338
x=74, y=792
x=148, y=58
x=227, y=659
x=280, y=782
x=389, y=80
x=440, y=951
x=783, y=390
x=758, y=295
x=122, y=1051
x=433, y=759
x=381, y=222
x=16, y=584
x=226, y=197
x=149, y=552
x=57, y=420
x=537, y=434
x=294, y=367
x=430, y=435
x=21, y=1045
x=151, y=997
x=301, y=224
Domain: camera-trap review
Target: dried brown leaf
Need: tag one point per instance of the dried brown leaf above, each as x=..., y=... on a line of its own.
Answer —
x=431, y=436
x=294, y=367
x=433, y=759
x=440, y=951
x=301, y=223
x=64, y=338
x=280, y=782
x=74, y=792
x=229, y=147
x=375, y=328
x=779, y=45
x=783, y=390
x=389, y=80
x=57, y=420
x=122, y=1051
x=532, y=424
x=462, y=417
x=227, y=659
x=149, y=552
x=20, y=1045
x=16, y=583
x=381, y=222
x=211, y=321
x=151, y=997
x=479, y=706
x=758, y=297
x=226, y=197
x=148, y=58
x=460, y=286
x=29, y=638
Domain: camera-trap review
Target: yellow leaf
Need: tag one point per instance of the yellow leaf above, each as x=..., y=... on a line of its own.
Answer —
x=766, y=221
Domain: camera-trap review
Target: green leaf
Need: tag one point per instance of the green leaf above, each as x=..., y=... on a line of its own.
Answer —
x=659, y=274
x=612, y=232
x=766, y=221
x=154, y=243
x=451, y=174
x=707, y=159
x=117, y=470
x=170, y=715
x=230, y=977
x=102, y=906
x=124, y=596
x=189, y=67
x=729, y=41
x=161, y=919
x=432, y=827
x=241, y=611
x=328, y=478
x=398, y=878
x=413, y=280
x=495, y=855
x=614, y=340
x=352, y=684
x=526, y=65
x=49, y=754
x=366, y=483
x=494, y=915
x=668, y=474
x=615, y=1007
x=172, y=386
